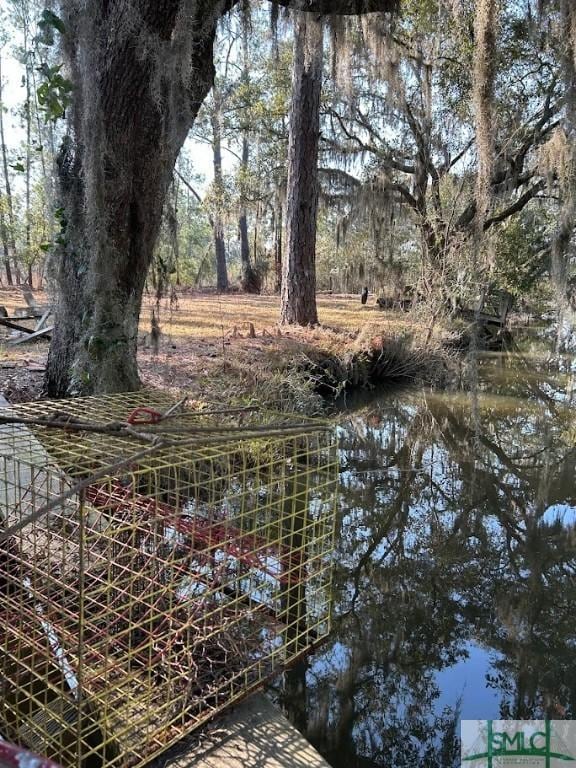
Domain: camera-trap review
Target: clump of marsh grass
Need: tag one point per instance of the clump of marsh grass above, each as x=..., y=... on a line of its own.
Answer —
x=375, y=358
x=287, y=389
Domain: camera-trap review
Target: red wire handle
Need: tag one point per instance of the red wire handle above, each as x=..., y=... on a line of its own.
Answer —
x=143, y=415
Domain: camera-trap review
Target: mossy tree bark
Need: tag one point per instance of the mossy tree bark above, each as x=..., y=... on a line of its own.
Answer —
x=139, y=83
x=140, y=69
x=298, y=302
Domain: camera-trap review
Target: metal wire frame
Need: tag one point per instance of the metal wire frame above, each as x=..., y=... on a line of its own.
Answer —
x=136, y=609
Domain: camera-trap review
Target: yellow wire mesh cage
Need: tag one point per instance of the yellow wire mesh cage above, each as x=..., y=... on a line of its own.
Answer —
x=151, y=574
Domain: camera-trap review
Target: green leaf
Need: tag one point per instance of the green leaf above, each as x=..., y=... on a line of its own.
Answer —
x=50, y=19
x=18, y=167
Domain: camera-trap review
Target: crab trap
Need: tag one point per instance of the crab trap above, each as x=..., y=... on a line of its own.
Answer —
x=156, y=564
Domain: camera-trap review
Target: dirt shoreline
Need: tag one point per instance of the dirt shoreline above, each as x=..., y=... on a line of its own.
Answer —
x=230, y=348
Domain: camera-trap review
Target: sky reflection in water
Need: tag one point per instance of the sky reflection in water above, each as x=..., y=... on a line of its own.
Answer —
x=455, y=568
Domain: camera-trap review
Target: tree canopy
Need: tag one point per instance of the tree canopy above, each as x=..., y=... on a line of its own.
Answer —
x=445, y=156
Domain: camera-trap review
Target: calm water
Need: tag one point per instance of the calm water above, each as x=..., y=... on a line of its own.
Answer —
x=455, y=582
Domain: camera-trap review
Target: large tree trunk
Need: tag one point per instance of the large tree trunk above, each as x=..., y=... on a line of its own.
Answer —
x=7, y=231
x=5, y=247
x=28, y=118
x=278, y=250
x=278, y=223
x=134, y=104
x=217, y=218
x=249, y=278
x=299, y=266
x=220, y=248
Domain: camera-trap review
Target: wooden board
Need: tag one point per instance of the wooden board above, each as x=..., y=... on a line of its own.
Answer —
x=15, y=326
x=35, y=335
x=42, y=321
x=254, y=733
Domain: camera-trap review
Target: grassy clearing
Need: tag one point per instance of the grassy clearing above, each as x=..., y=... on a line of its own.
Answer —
x=288, y=368
x=230, y=348
x=208, y=316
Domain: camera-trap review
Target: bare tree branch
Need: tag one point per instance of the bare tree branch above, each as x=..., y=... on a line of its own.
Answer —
x=516, y=206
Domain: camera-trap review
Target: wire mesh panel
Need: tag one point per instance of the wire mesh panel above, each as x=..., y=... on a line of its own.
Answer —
x=153, y=573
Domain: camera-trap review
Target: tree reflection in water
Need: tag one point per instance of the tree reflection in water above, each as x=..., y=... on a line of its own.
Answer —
x=451, y=539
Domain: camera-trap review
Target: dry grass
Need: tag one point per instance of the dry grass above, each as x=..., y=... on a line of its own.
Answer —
x=206, y=348
x=208, y=316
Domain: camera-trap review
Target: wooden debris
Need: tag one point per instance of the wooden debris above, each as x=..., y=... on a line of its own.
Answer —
x=39, y=330
x=34, y=335
x=14, y=326
x=42, y=321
